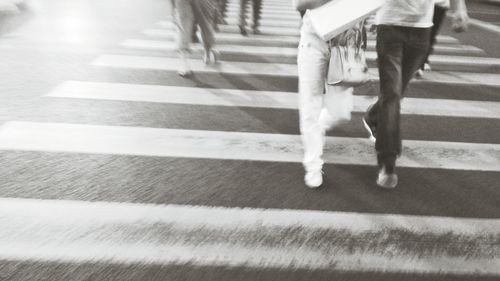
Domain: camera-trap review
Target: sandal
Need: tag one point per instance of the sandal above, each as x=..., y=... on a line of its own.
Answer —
x=185, y=73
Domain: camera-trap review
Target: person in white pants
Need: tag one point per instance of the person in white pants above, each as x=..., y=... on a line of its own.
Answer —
x=321, y=106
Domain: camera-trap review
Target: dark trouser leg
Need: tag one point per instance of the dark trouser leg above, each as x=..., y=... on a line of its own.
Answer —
x=257, y=7
x=204, y=18
x=243, y=12
x=223, y=7
x=390, y=50
x=400, y=51
x=221, y=11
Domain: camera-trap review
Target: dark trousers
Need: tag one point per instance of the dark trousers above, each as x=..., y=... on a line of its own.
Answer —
x=222, y=7
x=401, y=51
x=256, y=9
x=437, y=20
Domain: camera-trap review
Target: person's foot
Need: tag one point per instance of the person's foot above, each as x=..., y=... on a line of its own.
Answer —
x=419, y=73
x=427, y=67
x=195, y=39
x=184, y=72
x=243, y=31
x=184, y=69
x=314, y=179
x=387, y=179
x=256, y=30
x=371, y=128
x=210, y=57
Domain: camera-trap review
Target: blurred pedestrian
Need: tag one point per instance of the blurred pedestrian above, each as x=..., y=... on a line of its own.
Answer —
x=440, y=8
x=403, y=41
x=322, y=106
x=256, y=9
x=222, y=11
x=188, y=14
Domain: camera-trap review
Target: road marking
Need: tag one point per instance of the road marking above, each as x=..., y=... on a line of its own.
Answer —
x=76, y=231
x=171, y=64
x=485, y=25
x=270, y=14
x=276, y=40
x=164, y=45
x=264, y=30
x=270, y=22
x=261, y=99
x=450, y=45
x=77, y=138
x=274, y=69
x=289, y=54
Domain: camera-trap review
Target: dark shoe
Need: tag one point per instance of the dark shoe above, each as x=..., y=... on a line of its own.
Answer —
x=195, y=39
x=371, y=128
x=386, y=179
x=243, y=30
x=255, y=30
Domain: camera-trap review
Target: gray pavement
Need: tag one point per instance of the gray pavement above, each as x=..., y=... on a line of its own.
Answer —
x=57, y=41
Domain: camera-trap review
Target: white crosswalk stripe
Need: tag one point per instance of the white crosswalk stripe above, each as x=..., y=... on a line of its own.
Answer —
x=168, y=234
x=231, y=44
x=274, y=69
x=263, y=99
x=100, y=232
x=235, y=145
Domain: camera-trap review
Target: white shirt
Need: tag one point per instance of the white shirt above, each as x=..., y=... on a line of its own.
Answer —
x=409, y=13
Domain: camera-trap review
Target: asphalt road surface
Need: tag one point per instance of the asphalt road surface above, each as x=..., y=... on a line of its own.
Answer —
x=116, y=168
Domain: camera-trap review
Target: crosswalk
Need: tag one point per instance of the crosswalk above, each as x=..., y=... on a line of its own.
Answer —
x=287, y=238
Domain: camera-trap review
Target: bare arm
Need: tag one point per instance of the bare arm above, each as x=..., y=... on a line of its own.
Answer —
x=460, y=19
x=302, y=5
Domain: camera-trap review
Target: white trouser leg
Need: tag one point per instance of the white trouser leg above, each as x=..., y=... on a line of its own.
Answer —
x=312, y=61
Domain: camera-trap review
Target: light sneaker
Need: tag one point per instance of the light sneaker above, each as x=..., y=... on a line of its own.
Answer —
x=419, y=73
x=386, y=180
x=210, y=57
x=427, y=67
x=314, y=179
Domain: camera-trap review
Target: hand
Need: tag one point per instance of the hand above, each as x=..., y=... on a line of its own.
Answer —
x=460, y=21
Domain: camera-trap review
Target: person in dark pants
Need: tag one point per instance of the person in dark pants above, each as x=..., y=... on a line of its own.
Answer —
x=256, y=9
x=403, y=41
x=440, y=8
x=222, y=11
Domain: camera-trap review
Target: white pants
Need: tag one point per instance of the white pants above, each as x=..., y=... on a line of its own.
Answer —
x=314, y=94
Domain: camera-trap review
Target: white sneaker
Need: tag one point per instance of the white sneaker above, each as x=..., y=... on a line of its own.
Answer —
x=419, y=73
x=427, y=67
x=385, y=180
x=314, y=179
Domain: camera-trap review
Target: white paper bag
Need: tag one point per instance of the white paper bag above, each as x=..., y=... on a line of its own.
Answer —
x=336, y=16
